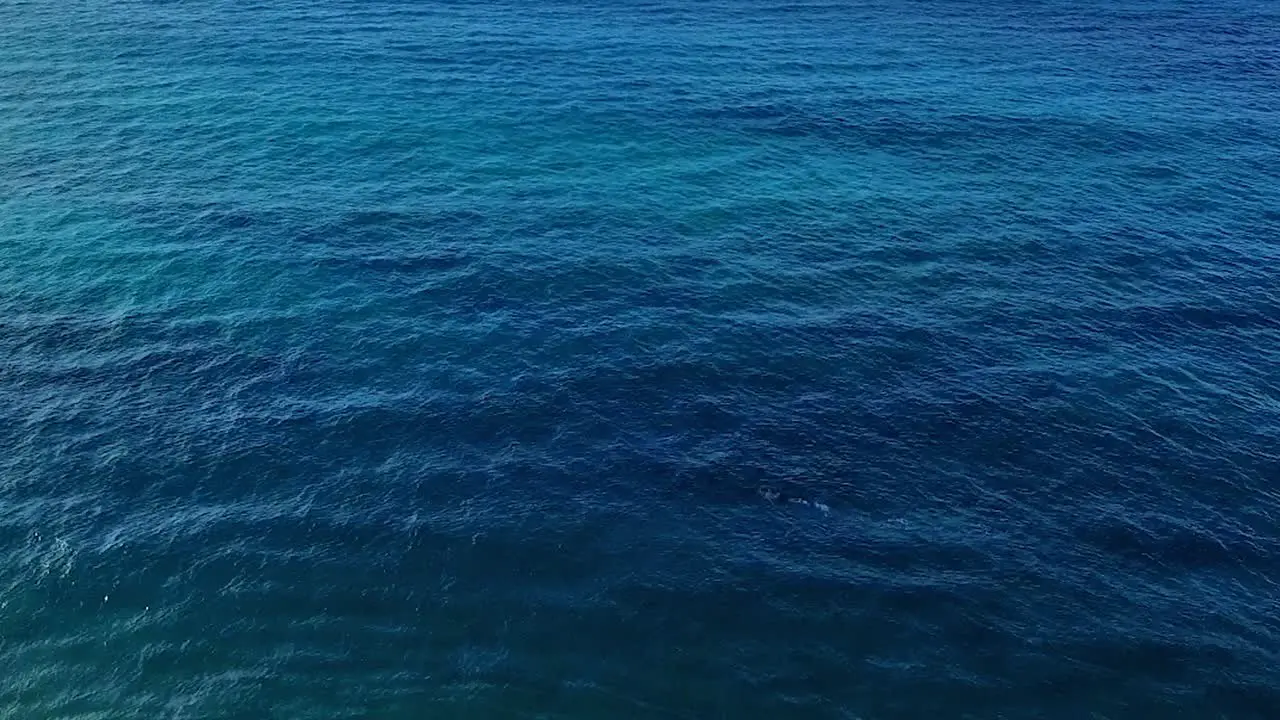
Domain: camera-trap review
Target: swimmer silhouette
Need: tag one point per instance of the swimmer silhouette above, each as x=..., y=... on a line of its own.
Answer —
x=777, y=496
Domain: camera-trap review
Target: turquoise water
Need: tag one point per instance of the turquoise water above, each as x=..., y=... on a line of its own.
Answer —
x=874, y=360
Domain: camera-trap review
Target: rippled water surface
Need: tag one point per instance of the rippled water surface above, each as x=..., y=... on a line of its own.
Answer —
x=618, y=359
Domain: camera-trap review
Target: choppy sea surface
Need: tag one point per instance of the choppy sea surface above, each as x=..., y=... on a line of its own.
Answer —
x=615, y=359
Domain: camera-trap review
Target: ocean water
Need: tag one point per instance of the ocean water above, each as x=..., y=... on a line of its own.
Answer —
x=614, y=359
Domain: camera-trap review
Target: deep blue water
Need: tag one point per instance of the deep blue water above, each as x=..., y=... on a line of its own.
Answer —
x=671, y=359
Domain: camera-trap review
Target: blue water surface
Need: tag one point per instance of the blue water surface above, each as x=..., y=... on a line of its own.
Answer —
x=561, y=359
